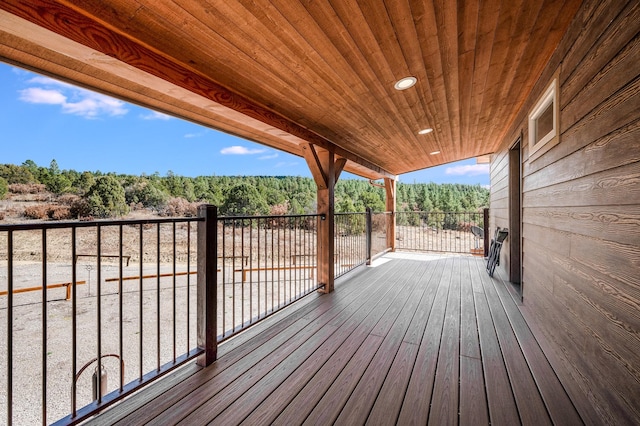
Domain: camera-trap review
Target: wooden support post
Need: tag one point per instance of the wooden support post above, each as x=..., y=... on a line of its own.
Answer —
x=207, y=284
x=390, y=189
x=325, y=170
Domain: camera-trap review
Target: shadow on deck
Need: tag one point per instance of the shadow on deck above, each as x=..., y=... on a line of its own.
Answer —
x=413, y=339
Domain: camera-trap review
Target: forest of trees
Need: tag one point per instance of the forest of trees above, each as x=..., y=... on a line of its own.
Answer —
x=100, y=195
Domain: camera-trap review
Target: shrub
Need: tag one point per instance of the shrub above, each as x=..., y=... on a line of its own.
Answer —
x=179, y=207
x=59, y=213
x=106, y=198
x=39, y=211
x=48, y=211
x=244, y=199
x=59, y=184
x=136, y=206
x=67, y=199
x=146, y=194
x=79, y=208
x=279, y=209
x=4, y=188
x=27, y=188
x=379, y=222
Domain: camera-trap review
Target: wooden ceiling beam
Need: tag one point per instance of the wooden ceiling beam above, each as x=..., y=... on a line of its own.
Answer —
x=80, y=28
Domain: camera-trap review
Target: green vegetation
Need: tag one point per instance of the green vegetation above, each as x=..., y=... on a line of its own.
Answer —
x=4, y=188
x=106, y=195
x=106, y=198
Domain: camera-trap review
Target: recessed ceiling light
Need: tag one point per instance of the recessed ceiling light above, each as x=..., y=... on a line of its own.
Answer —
x=434, y=153
x=405, y=83
x=425, y=131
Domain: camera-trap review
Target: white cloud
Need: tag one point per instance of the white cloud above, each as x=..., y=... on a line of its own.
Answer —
x=46, y=81
x=468, y=170
x=192, y=135
x=72, y=100
x=95, y=105
x=269, y=157
x=19, y=71
x=37, y=95
x=285, y=164
x=155, y=115
x=240, y=150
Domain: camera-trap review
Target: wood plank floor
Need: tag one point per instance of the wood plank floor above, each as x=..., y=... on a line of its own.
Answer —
x=415, y=339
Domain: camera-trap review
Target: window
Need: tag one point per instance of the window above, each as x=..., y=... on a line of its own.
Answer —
x=544, y=126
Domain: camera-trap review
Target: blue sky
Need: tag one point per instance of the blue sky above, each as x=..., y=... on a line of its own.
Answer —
x=42, y=119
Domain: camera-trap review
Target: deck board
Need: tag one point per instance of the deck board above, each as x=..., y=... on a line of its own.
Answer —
x=560, y=407
x=415, y=407
x=526, y=394
x=414, y=339
x=444, y=403
x=358, y=407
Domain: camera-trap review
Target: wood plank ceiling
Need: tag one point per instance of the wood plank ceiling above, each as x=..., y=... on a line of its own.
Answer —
x=287, y=72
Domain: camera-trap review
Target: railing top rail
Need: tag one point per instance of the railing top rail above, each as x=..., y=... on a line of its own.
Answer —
x=439, y=212
x=348, y=213
x=90, y=223
x=277, y=216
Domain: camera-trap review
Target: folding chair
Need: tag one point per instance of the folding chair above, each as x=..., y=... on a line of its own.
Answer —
x=494, y=249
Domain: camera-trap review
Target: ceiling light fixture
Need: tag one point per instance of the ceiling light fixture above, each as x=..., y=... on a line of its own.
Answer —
x=434, y=153
x=405, y=83
x=425, y=131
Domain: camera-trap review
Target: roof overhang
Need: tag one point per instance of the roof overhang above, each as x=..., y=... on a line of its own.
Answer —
x=287, y=73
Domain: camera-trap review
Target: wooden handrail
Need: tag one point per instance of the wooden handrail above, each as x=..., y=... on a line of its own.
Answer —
x=50, y=286
x=137, y=277
x=117, y=256
x=275, y=268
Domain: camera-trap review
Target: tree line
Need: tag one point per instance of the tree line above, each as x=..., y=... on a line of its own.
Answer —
x=101, y=195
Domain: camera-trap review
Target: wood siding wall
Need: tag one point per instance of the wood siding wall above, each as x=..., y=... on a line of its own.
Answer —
x=581, y=214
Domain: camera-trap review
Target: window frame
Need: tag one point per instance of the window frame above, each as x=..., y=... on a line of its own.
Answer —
x=549, y=97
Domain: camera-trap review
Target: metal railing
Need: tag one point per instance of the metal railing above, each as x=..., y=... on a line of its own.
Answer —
x=265, y=264
x=126, y=290
x=351, y=233
x=378, y=238
x=440, y=231
x=91, y=311
x=359, y=237
x=127, y=312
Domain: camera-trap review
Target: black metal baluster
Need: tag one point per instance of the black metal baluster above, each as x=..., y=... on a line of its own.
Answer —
x=233, y=288
x=279, y=240
x=120, y=308
x=9, y=327
x=243, y=266
x=74, y=321
x=174, y=291
x=158, y=340
x=189, y=286
x=259, y=255
x=99, y=309
x=272, y=274
x=44, y=326
x=223, y=306
x=141, y=303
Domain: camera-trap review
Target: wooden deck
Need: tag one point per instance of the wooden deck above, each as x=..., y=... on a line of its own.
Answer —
x=413, y=340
